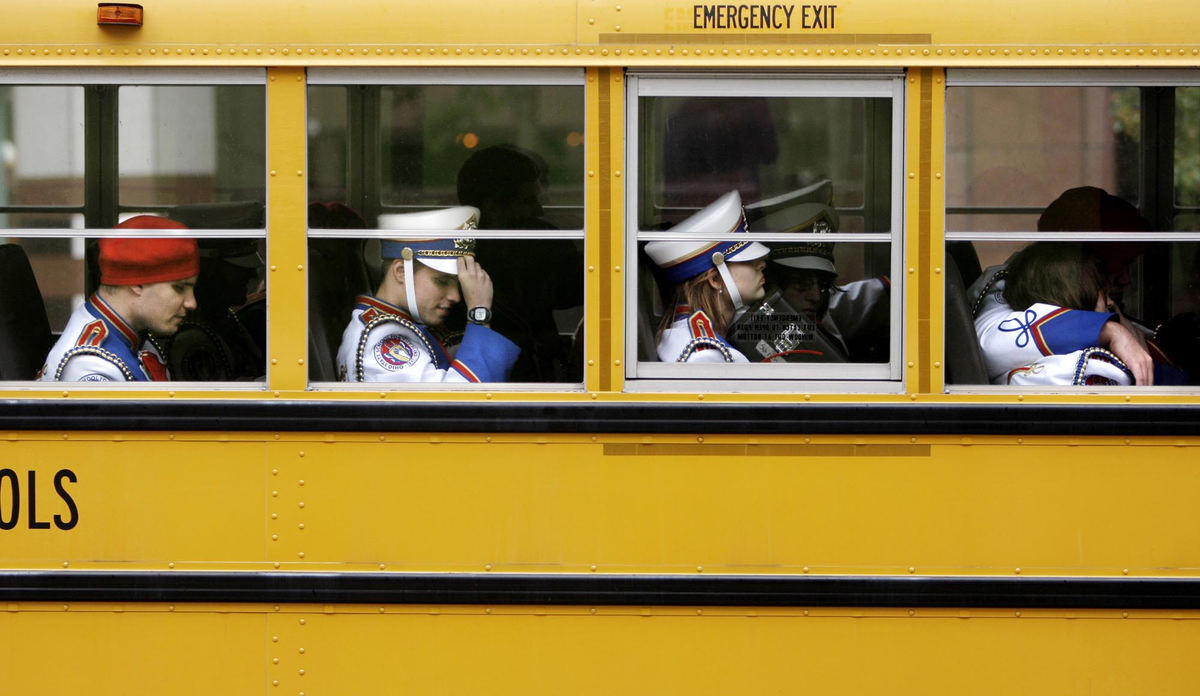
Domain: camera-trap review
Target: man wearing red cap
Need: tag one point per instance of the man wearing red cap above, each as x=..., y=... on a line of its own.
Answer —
x=146, y=288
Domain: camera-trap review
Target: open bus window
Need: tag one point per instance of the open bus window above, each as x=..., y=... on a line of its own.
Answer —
x=133, y=217
x=1071, y=230
x=767, y=230
x=491, y=160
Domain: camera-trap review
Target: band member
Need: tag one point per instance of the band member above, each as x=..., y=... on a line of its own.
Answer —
x=807, y=315
x=147, y=287
x=711, y=283
x=1049, y=343
x=390, y=336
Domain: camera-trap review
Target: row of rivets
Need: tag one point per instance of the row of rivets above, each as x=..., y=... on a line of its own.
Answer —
x=646, y=612
x=275, y=661
x=552, y=51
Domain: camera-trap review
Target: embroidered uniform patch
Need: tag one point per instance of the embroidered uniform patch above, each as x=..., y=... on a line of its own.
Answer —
x=395, y=353
x=94, y=377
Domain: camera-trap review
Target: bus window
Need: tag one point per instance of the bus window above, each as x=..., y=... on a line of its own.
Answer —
x=41, y=146
x=494, y=161
x=193, y=146
x=102, y=184
x=767, y=230
x=1072, y=250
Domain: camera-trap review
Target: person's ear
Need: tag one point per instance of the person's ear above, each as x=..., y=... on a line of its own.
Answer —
x=714, y=279
x=136, y=289
x=397, y=271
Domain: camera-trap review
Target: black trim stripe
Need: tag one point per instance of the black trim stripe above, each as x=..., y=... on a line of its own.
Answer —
x=606, y=590
x=601, y=418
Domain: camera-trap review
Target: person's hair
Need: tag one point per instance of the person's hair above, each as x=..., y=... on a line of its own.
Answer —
x=385, y=267
x=699, y=294
x=1062, y=274
x=334, y=215
x=496, y=173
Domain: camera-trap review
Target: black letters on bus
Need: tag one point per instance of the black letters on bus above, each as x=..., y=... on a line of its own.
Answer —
x=10, y=500
x=763, y=16
x=70, y=522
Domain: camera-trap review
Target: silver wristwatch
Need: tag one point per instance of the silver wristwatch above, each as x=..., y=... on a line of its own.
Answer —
x=479, y=315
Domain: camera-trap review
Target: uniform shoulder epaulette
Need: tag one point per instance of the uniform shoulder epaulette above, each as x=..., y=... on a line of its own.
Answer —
x=98, y=352
x=379, y=320
x=703, y=338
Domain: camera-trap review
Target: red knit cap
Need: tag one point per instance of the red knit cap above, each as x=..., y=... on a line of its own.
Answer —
x=141, y=260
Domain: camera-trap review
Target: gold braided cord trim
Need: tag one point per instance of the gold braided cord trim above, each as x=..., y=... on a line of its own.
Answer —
x=442, y=252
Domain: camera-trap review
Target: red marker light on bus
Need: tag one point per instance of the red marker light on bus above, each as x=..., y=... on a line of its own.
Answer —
x=118, y=14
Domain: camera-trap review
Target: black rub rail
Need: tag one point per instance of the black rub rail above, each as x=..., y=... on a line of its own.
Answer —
x=602, y=590
x=626, y=417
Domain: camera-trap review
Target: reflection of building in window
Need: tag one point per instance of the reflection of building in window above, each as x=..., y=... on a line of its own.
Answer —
x=1007, y=146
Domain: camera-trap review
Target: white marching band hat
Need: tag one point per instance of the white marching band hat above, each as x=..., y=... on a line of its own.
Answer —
x=440, y=253
x=685, y=259
x=688, y=258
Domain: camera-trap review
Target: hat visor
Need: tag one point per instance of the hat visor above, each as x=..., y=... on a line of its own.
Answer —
x=442, y=265
x=810, y=263
x=753, y=250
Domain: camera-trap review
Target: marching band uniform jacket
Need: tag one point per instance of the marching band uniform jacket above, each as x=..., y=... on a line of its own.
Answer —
x=383, y=344
x=98, y=345
x=1044, y=344
x=691, y=339
x=859, y=308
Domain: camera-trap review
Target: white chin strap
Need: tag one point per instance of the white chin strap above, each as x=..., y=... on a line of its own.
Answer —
x=410, y=293
x=727, y=278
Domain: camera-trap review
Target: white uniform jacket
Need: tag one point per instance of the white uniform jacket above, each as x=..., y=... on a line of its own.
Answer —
x=383, y=344
x=859, y=308
x=98, y=345
x=1044, y=345
x=691, y=339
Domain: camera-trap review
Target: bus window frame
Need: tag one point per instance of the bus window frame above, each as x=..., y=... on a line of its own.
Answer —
x=775, y=377
x=488, y=77
x=141, y=77
x=1050, y=78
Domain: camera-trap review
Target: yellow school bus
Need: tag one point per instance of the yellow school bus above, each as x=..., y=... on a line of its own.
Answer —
x=867, y=502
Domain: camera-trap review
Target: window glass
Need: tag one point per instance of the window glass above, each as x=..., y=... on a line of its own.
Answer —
x=41, y=155
x=1008, y=146
x=766, y=225
x=701, y=147
x=328, y=147
x=131, y=294
x=1071, y=262
x=194, y=146
x=1187, y=148
x=430, y=133
x=491, y=172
